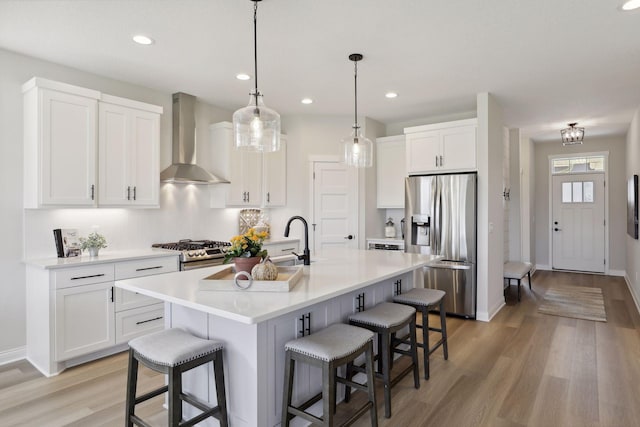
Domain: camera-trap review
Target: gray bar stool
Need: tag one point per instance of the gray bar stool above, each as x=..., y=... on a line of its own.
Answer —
x=424, y=300
x=172, y=352
x=386, y=319
x=329, y=348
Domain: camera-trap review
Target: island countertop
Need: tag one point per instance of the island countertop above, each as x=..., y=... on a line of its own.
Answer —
x=332, y=273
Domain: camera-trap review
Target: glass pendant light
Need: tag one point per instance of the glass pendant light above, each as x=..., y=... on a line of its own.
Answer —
x=357, y=150
x=572, y=135
x=256, y=127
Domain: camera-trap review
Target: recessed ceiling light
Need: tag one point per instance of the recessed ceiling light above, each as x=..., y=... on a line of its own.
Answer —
x=391, y=95
x=631, y=5
x=141, y=39
x=307, y=101
x=243, y=76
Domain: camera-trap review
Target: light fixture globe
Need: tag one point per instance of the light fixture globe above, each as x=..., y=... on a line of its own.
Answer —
x=572, y=135
x=357, y=150
x=256, y=127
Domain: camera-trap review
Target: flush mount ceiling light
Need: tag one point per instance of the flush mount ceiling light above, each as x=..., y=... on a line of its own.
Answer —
x=572, y=135
x=243, y=76
x=256, y=127
x=631, y=5
x=307, y=101
x=142, y=39
x=357, y=150
x=391, y=95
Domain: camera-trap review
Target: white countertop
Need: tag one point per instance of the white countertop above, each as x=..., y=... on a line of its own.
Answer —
x=330, y=274
x=104, y=257
x=272, y=240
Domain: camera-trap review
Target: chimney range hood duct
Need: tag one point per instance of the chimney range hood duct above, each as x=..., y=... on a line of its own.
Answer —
x=184, y=170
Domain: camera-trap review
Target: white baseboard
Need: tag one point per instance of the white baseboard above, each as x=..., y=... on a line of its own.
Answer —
x=631, y=291
x=543, y=267
x=619, y=273
x=484, y=316
x=13, y=355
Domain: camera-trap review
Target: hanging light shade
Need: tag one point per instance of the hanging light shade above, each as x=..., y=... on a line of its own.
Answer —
x=256, y=127
x=357, y=150
x=572, y=135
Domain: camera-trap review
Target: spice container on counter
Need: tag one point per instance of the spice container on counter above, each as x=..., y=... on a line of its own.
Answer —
x=390, y=229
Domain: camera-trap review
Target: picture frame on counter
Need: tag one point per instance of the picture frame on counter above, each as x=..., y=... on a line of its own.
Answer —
x=67, y=242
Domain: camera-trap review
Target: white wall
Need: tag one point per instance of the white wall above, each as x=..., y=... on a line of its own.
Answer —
x=616, y=185
x=515, y=243
x=632, y=262
x=490, y=211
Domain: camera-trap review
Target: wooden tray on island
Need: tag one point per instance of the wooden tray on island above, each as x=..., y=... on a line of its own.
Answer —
x=223, y=280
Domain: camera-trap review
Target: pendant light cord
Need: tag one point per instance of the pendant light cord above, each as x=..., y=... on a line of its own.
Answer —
x=255, y=48
x=355, y=91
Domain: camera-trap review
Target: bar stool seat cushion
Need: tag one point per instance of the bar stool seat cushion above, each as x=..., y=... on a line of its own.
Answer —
x=331, y=343
x=384, y=315
x=173, y=347
x=420, y=296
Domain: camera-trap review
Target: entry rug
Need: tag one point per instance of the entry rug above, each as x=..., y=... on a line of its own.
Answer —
x=574, y=301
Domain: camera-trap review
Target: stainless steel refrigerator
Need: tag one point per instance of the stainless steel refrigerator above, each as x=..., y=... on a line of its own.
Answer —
x=441, y=217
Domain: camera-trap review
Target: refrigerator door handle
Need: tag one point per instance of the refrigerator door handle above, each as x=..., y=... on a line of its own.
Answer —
x=436, y=224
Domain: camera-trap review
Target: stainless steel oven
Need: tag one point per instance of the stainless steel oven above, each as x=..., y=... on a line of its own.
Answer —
x=197, y=253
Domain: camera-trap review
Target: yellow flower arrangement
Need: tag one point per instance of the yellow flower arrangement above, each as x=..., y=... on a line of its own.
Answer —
x=246, y=245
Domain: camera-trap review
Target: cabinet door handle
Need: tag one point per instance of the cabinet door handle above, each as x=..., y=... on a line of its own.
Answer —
x=305, y=324
x=149, y=268
x=268, y=197
x=93, y=191
x=436, y=161
x=147, y=321
x=287, y=250
x=112, y=294
x=398, y=287
x=87, y=277
x=248, y=197
x=360, y=302
x=134, y=193
x=128, y=193
x=441, y=161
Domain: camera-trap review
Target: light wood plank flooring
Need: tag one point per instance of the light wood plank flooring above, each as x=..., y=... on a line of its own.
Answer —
x=521, y=369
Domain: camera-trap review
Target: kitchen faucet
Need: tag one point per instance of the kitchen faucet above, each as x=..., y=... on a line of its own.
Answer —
x=306, y=255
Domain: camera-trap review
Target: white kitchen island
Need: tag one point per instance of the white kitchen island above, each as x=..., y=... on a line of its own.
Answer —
x=254, y=326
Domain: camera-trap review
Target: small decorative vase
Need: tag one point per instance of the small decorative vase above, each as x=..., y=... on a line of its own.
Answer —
x=245, y=263
x=93, y=252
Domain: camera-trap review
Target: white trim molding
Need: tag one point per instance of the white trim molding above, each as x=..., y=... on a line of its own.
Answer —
x=633, y=295
x=13, y=355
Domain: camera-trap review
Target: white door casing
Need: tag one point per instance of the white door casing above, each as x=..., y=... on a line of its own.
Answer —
x=578, y=222
x=335, y=205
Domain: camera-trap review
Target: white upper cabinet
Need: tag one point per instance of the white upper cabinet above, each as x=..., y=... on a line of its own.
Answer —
x=391, y=171
x=60, y=140
x=129, y=141
x=84, y=149
x=441, y=147
x=257, y=179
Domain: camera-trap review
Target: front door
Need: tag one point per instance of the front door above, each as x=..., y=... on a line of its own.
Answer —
x=578, y=228
x=335, y=205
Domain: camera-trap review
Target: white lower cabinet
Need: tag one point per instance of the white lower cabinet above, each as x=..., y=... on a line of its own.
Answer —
x=75, y=314
x=84, y=320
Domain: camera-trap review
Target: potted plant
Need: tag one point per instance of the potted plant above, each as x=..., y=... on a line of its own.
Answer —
x=246, y=250
x=93, y=243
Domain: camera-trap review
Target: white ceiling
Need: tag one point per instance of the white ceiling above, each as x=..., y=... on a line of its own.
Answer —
x=548, y=62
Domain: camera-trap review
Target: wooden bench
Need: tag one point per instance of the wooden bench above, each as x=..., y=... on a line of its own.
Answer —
x=515, y=270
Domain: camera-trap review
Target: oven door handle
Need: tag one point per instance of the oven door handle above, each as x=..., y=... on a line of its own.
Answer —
x=192, y=265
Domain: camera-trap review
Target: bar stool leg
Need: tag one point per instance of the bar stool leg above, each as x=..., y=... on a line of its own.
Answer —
x=414, y=353
x=289, y=369
x=132, y=384
x=175, y=404
x=371, y=386
x=386, y=372
x=529, y=277
x=425, y=338
x=218, y=371
x=443, y=327
x=328, y=396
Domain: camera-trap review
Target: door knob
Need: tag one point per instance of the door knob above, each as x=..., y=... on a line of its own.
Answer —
x=557, y=229
x=349, y=237
x=555, y=222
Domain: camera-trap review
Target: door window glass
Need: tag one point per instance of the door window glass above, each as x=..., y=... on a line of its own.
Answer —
x=577, y=165
x=566, y=192
x=577, y=192
x=587, y=189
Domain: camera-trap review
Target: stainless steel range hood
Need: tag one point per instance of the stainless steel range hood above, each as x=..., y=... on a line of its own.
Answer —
x=184, y=170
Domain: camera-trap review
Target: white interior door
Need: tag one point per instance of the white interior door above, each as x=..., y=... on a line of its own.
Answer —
x=578, y=227
x=335, y=205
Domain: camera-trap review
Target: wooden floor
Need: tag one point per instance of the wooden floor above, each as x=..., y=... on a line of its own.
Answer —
x=521, y=369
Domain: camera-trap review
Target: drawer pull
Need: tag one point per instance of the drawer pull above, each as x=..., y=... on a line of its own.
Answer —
x=287, y=250
x=87, y=277
x=149, y=268
x=147, y=321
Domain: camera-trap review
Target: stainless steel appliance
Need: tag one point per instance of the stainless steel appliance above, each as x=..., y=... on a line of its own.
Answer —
x=197, y=253
x=441, y=216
